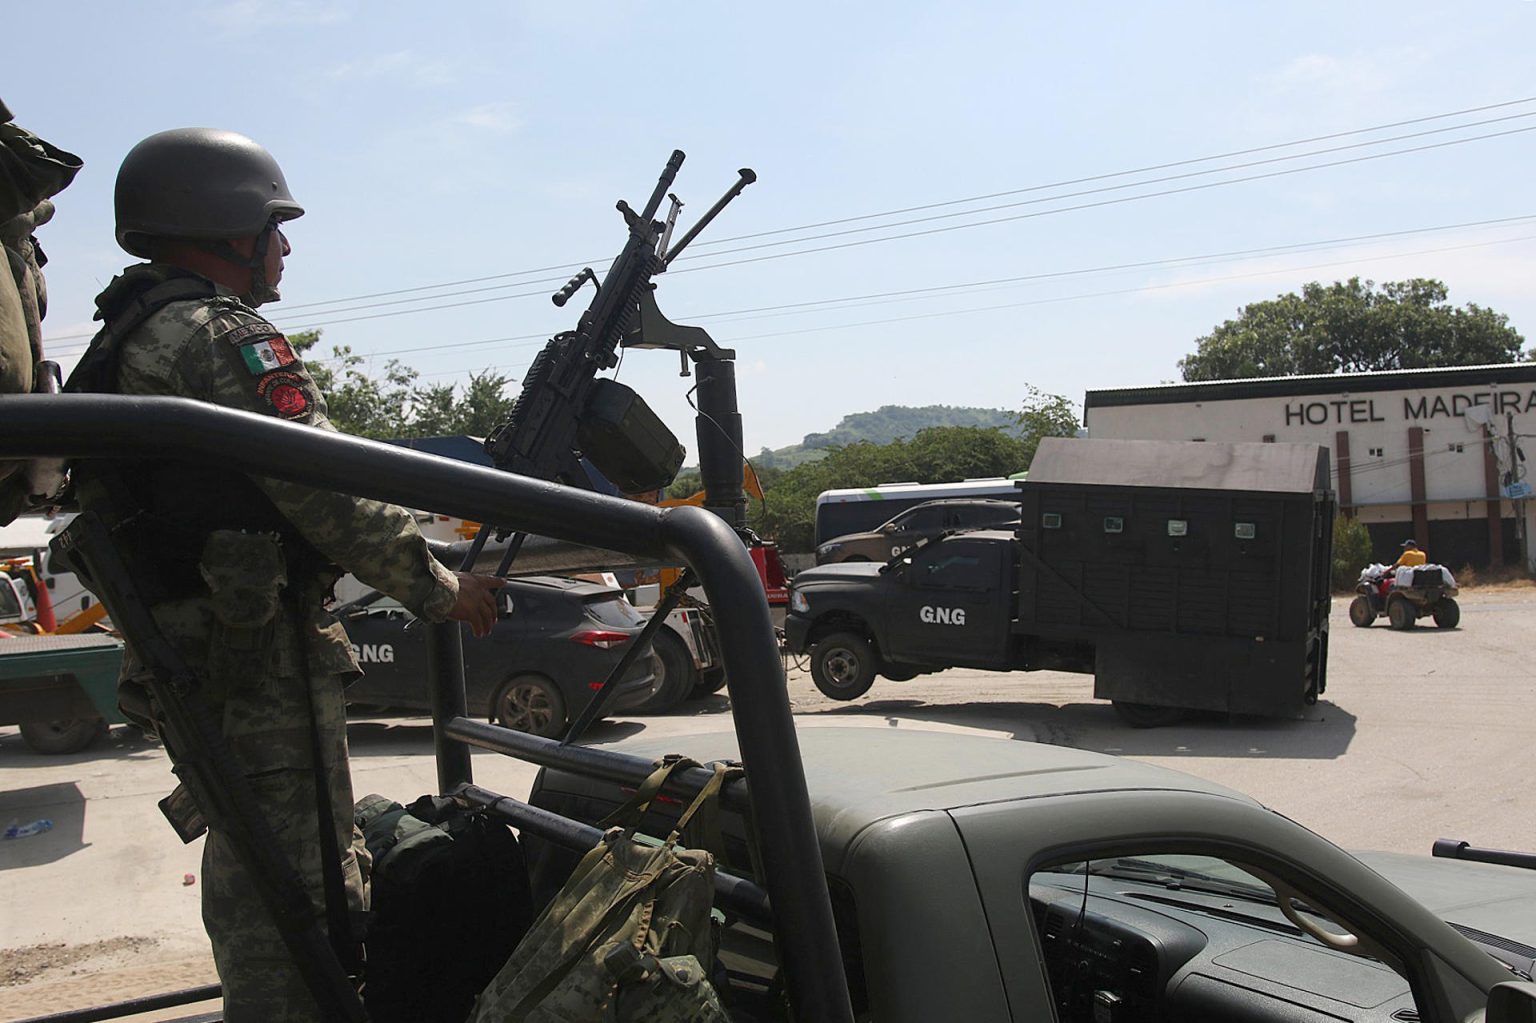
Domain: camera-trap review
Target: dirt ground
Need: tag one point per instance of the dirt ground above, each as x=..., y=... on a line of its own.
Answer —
x=1420, y=735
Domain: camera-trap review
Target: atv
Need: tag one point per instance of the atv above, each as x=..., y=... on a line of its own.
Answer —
x=1405, y=595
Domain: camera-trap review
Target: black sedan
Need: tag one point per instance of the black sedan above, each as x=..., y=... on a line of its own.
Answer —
x=554, y=643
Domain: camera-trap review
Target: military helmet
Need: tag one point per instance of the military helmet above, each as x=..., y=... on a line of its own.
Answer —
x=198, y=183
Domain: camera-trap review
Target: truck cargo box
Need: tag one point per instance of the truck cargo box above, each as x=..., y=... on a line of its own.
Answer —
x=1151, y=550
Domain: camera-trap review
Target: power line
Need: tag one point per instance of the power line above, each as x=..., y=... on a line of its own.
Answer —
x=1073, y=298
x=1078, y=207
x=1103, y=202
x=955, y=227
x=948, y=216
x=1124, y=173
x=793, y=307
x=568, y=267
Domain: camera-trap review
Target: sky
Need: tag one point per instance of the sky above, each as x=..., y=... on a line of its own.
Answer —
x=954, y=202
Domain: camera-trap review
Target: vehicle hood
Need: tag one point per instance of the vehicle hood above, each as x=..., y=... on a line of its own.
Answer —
x=843, y=571
x=1492, y=898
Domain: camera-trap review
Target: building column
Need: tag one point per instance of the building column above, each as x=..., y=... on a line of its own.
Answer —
x=1341, y=455
x=1417, y=491
x=1494, y=503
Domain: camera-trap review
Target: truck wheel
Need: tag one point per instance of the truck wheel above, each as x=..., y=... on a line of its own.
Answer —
x=530, y=703
x=1361, y=613
x=678, y=677
x=711, y=680
x=68, y=736
x=843, y=666
x=1447, y=613
x=1146, y=715
x=1401, y=613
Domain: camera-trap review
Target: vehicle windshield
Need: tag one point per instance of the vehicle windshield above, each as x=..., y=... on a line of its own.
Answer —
x=1191, y=872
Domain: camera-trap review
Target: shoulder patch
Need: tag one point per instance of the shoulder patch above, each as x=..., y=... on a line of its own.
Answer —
x=247, y=333
x=264, y=351
x=286, y=393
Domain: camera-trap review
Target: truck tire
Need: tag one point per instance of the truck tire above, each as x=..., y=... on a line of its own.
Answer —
x=1447, y=613
x=711, y=680
x=1361, y=613
x=678, y=676
x=68, y=736
x=1401, y=613
x=530, y=703
x=843, y=665
x=1146, y=715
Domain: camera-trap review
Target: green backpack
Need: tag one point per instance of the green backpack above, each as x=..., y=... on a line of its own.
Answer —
x=629, y=937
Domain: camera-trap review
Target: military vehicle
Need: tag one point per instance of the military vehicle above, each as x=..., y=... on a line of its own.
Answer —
x=933, y=877
x=1181, y=576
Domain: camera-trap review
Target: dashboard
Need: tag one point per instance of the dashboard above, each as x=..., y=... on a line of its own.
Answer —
x=1119, y=950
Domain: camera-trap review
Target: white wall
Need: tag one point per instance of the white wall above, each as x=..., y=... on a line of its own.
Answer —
x=1374, y=420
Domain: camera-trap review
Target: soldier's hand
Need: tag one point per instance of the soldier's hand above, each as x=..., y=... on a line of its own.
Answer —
x=477, y=602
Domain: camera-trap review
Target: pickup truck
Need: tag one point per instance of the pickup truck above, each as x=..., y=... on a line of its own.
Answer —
x=916, y=877
x=984, y=879
x=1181, y=576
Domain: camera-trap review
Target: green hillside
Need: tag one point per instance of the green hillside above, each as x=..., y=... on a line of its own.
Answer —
x=882, y=426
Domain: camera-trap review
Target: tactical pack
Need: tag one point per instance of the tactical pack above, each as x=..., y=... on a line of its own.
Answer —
x=631, y=936
x=450, y=901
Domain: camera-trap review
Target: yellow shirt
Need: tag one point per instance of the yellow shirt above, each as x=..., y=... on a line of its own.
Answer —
x=1412, y=557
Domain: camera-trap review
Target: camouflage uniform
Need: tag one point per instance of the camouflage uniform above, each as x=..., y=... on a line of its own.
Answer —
x=261, y=639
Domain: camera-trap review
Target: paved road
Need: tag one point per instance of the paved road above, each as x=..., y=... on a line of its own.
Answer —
x=1420, y=735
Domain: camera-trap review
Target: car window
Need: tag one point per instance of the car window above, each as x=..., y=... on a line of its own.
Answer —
x=1156, y=935
x=922, y=518
x=956, y=564
x=614, y=610
x=995, y=517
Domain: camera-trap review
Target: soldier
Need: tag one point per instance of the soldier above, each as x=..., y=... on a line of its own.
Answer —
x=31, y=172
x=241, y=566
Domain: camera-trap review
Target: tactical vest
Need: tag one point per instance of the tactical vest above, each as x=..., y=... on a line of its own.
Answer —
x=162, y=505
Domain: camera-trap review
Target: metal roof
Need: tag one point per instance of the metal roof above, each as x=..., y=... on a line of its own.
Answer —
x=1186, y=465
x=1324, y=383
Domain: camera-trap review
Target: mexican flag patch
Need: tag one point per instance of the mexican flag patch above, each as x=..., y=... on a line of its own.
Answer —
x=266, y=355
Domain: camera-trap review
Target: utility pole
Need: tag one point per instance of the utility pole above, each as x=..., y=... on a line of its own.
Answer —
x=1518, y=490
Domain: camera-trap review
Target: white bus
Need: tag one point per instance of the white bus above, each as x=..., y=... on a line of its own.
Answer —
x=859, y=509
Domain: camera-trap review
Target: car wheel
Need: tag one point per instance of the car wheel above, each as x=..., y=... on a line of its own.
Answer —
x=843, y=665
x=1447, y=613
x=1361, y=613
x=1146, y=715
x=531, y=703
x=68, y=736
x=677, y=677
x=711, y=680
x=1401, y=613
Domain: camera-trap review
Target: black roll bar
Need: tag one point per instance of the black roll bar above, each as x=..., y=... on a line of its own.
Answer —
x=115, y=426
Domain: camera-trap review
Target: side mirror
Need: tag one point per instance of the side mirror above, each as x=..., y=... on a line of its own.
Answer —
x=1511, y=1002
x=890, y=527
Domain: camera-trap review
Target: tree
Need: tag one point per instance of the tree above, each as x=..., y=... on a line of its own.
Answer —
x=940, y=454
x=1351, y=551
x=396, y=406
x=1352, y=327
x=1045, y=415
